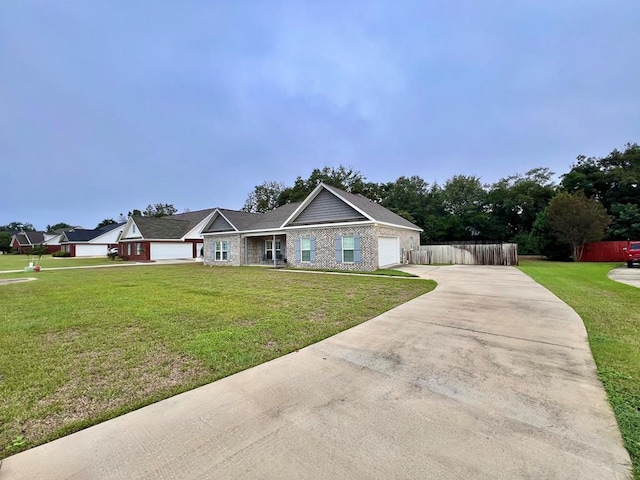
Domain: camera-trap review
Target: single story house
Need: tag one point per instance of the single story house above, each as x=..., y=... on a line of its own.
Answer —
x=163, y=238
x=330, y=229
x=81, y=242
x=23, y=241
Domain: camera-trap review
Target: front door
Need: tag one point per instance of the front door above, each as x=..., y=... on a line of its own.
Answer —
x=268, y=249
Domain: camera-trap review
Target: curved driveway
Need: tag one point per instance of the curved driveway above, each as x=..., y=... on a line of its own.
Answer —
x=488, y=376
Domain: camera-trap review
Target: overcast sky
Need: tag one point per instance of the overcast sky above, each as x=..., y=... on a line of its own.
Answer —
x=107, y=106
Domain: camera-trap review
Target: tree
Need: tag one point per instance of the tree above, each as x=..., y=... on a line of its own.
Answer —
x=61, y=225
x=614, y=180
x=626, y=222
x=105, y=222
x=18, y=226
x=516, y=201
x=344, y=178
x=160, y=210
x=464, y=201
x=575, y=220
x=5, y=242
x=264, y=197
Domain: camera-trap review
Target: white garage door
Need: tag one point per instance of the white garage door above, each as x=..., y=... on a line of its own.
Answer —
x=388, y=251
x=168, y=251
x=91, y=250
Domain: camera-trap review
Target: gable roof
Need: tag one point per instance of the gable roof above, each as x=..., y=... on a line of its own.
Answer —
x=172, y=227
x=79, y=235
x=359, y=203
x=29, y=238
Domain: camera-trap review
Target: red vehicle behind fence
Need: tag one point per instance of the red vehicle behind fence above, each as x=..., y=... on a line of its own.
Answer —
x=632, y=253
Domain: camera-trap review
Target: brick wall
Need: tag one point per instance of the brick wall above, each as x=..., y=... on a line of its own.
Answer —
x=236, y=250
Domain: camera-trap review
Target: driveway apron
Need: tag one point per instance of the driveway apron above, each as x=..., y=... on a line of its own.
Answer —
x=488, y=376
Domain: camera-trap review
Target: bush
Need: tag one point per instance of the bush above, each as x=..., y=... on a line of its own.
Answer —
x=61, y=253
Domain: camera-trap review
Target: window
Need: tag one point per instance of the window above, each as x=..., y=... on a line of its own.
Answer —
x=268, y=249
x=138, y=249
x=305, y=249
x=128, y=249
x=221, y=251
x=347, y=249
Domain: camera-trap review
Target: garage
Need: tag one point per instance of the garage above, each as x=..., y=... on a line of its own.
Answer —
x=388, y=251
x=169, y=251
x=89, y=250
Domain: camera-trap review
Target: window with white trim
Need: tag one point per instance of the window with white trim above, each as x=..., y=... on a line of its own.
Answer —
x=128, y=249
x=221, y=251
x=305, y=249
x=268, y=249
x=348, y=249
x=138, y=248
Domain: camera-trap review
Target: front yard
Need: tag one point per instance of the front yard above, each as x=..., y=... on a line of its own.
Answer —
x=18, y=262
x=81, y=346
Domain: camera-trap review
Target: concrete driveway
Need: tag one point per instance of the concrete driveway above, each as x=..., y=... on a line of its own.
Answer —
x=489, y=376
x=630, y=276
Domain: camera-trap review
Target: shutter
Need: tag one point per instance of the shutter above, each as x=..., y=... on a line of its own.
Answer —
x=357, y=254
x=312, y=241
x=338, y=249
x=298, y=255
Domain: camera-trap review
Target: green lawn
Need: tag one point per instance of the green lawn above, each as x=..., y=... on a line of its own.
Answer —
x=18, y=262
x=611, y=314
x=386, y=272
x=81, y=346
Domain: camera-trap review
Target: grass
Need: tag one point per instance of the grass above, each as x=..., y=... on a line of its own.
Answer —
x=82, y=346
x=611, y=314
x=385, y=272
x=18, y=262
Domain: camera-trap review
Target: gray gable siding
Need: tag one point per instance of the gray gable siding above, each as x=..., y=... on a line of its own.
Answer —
x=327, y=208
x=220, y=225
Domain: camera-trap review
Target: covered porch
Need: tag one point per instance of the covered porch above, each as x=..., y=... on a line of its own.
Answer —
x=265, y=249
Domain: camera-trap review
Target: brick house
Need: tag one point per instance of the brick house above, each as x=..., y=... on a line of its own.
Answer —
x=330, y=229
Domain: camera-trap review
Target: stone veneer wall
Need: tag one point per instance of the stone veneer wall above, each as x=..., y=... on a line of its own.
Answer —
x=236, y=250
x=326, y=247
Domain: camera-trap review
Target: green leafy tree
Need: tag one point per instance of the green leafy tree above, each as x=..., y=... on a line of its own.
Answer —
x=576, y=219
x=37, y=251
x=105, y=222
x=516, y=201
x=61, y=225
x=626, y=222
x=344, y=178
x=5, y=242
x=160, y=210
x=612, y=180
x=264, y=197
x=18, y=226
x=464, y=201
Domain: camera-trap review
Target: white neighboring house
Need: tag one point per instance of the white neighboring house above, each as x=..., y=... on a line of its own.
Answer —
x=164, y=238
x=90, y=243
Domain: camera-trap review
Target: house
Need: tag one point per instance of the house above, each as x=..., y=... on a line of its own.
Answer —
x=330, y=229
x=163, y=238
x=80, y=242
x=23, y=241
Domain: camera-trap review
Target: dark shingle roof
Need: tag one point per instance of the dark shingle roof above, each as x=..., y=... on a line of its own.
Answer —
x=81, y=235
x=36, y=238
x=170, y=227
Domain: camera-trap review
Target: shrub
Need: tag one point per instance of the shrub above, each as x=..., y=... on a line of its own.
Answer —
x=61, y=253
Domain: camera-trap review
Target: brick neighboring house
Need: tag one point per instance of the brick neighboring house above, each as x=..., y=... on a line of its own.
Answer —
x=330, y=229
x=23, y=241
x=164, y=238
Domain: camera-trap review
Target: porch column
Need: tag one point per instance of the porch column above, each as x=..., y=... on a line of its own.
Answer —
x=273, y=251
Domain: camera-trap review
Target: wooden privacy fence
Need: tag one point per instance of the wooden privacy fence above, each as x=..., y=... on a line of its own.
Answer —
x=466, y=254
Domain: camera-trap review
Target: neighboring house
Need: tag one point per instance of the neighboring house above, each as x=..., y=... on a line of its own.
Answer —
x=330, y=229
x=164, y=238
x=23, y=241
x=81, y=242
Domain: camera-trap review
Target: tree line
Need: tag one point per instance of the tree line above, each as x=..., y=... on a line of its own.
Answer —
x=599, y=198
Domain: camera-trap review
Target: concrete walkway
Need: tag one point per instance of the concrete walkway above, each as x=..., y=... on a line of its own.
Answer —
x=488, y=376
x=630, y=276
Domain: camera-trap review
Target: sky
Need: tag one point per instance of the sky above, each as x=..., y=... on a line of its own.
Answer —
x=108, y=106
